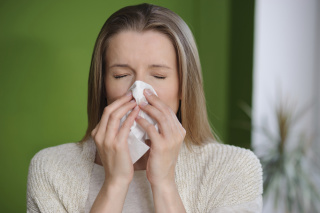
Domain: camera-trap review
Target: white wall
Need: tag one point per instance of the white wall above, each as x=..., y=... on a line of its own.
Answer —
x=287, y=65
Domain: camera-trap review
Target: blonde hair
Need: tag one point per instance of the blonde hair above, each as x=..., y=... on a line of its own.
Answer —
x=192, y=111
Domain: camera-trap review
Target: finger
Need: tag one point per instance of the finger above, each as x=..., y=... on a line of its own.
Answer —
x=149, y=128
x=155, y=100
x=94, y=131
x=125, y=128
x=161, y=106
x=178, y=126
x=94, y=134
x=164, y=123
x=101, y=127
x=114, y=120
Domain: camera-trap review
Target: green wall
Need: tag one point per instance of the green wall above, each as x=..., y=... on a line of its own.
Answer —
x=212, y=35
x=224, y=34
x=239, y=81
x=45, y=52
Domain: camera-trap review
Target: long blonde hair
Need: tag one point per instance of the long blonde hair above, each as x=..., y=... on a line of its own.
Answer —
x=192, y=111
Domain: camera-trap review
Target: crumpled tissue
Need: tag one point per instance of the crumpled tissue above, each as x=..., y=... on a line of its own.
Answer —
x=137, y=135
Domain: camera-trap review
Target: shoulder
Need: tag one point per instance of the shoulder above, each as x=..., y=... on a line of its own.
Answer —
x=240, y=164
x=60, y=159
x=54, y=171
x=237, y=157
x=60, y=152
x=50, y=161
x=221, y=155
x=226, y=174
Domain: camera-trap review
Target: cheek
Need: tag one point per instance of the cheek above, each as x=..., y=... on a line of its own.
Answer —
x=114, y=91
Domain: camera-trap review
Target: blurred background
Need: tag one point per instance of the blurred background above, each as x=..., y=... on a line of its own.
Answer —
x=261, y=69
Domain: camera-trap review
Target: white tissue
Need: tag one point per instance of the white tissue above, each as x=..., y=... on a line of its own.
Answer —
x=137, y=136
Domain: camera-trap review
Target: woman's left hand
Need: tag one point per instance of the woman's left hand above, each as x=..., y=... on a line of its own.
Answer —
x=165, y=144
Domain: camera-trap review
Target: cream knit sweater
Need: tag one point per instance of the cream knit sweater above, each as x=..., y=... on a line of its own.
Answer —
x=213, y=176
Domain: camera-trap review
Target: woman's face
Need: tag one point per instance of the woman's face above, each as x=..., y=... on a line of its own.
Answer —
x=146, y=56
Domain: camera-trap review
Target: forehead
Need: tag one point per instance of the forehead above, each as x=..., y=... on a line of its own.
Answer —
x=148, y=46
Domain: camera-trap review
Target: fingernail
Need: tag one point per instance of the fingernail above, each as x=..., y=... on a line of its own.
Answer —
x=136, y=108
x=138, y=117
x=143, y=103
x=148, y=92
x=133, y=100
x=129, y=93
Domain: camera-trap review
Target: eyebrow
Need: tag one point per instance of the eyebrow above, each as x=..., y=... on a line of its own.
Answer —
x=150, y=66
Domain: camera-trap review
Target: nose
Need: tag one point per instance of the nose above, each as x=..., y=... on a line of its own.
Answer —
x=140, y=76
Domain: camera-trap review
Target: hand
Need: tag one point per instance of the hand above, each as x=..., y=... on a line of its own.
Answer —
x=111, y=141
x=165, y=144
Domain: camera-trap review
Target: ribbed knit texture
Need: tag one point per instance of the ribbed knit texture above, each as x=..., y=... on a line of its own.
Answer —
x=214, y=175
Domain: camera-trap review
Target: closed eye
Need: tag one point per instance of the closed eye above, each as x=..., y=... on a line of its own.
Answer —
x=120, y=76
x=159, y=77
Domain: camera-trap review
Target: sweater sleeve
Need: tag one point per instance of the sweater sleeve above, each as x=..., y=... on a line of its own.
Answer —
x=254, y=206
x=242, y=184
x=41, y=196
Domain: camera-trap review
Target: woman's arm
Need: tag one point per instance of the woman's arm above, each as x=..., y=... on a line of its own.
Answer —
x=166, y=198
x=110, y=198
x=112, y=146
x=164, y=151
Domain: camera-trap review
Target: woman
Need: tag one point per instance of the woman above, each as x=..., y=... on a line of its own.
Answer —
x=185, y=169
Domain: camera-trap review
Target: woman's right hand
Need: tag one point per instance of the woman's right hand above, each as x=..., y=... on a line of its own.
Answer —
x=111, y=141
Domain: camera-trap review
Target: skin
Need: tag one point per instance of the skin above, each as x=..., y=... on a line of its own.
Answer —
x=150, y=57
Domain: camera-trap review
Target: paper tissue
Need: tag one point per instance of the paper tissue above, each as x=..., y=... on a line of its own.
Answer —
x=137, y=135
